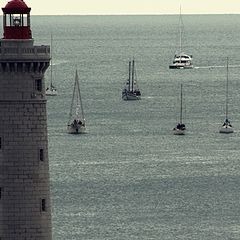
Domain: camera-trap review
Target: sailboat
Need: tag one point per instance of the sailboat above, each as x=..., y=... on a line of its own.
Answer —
x=51, y=90
x=180, y=127
x=131, y=90
x=226, y=127
x=76, y=122
x=181, y=59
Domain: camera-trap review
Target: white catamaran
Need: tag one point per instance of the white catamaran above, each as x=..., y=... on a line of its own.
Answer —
x=51, y=90
x=181, y=59
x=76, y=122
x=131, y=90
x=180, y=127
x=226, y=127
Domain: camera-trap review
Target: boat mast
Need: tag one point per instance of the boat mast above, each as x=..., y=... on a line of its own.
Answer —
x=51, y=63
x=129, y=75
x=72, y=102
x=227, y=92
x=181, y=106
x=180, y=30
x=132, y=73
x=79, y=95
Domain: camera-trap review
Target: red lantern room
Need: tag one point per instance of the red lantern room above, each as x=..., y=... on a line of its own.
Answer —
x=16, y=20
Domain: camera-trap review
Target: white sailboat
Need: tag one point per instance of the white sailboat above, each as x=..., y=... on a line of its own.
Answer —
x=180, y=127
x=51, y=90
x=76, y=122
x=181, y=59
x=227, y=126
x=131, y=90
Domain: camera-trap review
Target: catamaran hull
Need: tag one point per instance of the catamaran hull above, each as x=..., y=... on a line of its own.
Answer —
x=76, y=129
x=180, y=67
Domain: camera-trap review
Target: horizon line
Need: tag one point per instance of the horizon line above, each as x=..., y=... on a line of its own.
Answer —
x=132, y=14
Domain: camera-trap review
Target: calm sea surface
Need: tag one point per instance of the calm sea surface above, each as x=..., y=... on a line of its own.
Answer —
x=130, y=177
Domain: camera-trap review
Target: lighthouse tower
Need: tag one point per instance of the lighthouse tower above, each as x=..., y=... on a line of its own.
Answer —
x=25, y=211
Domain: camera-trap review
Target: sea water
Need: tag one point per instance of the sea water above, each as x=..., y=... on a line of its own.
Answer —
x=129, y=177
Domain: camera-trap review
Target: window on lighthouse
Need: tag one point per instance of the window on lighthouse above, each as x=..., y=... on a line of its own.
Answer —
x=16, y=21
x=43, y=205
x=38, y=85
x=41, y=155
x=13, y=20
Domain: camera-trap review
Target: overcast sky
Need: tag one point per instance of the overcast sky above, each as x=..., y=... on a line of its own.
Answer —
x=83, y=7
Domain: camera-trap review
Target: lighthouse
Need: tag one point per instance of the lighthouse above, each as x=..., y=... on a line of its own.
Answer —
x=25, y=209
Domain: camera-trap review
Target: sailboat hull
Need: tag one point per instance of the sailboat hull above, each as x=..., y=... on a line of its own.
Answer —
x=226, y=129
x=130, y=96
x=178, y=131
x=78, y=129
x=51, y=92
